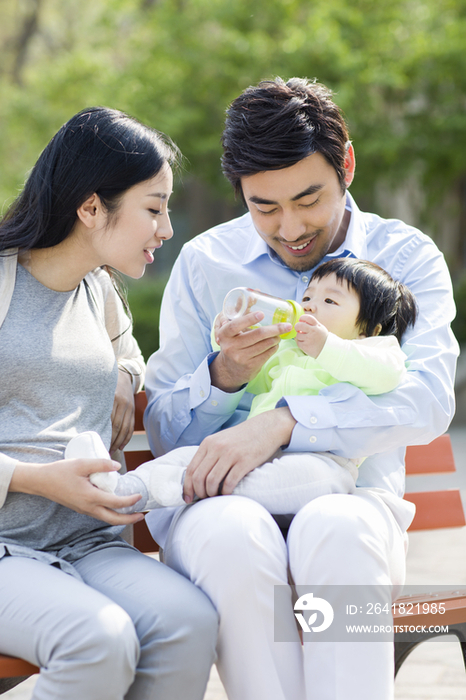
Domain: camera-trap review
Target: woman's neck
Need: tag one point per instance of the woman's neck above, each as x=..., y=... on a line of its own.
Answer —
x=60, y=268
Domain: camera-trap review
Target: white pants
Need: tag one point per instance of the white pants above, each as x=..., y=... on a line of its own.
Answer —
x=232, y=548
x=133, y=629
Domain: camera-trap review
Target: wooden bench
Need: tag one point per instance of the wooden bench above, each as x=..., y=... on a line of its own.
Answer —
x=435, y=509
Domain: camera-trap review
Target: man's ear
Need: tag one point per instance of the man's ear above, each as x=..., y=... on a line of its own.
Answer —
x=350, y=164
x=91, y=212
x=377, y=329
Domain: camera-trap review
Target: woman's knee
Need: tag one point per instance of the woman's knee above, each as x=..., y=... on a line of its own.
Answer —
x=108, y=639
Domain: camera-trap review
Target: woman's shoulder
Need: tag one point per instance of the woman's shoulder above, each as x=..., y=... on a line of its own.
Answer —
x=99, y=281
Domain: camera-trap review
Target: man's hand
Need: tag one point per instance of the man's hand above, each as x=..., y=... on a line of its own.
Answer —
x=243, y=350
x=225, y=457
x=311, y=335
x=122, y=413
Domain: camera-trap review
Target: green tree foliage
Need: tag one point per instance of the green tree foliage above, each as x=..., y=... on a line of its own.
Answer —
x=398, y=68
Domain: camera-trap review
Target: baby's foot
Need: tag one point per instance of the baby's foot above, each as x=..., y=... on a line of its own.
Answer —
x=159, y=482
x=89, y=445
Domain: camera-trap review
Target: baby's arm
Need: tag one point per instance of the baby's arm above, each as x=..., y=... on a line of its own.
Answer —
x=375, y=364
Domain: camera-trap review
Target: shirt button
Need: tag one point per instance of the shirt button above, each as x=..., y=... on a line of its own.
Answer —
x=214, y=403
x=313, y=438
x=305, y=279
x=313, y=419
x=201, y=393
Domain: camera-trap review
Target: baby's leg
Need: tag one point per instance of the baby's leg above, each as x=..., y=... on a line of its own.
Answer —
x=159, y=482
x=291, y=480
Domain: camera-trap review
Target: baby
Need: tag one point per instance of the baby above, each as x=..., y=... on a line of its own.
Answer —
x=355, y=317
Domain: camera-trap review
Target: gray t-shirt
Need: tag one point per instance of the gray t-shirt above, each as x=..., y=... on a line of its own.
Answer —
x=58, y=377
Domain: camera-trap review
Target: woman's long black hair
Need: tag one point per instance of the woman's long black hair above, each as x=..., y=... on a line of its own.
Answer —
x=99, y=150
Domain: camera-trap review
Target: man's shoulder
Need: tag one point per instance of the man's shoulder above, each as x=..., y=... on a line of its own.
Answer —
x=378, y=227
x=392, y=243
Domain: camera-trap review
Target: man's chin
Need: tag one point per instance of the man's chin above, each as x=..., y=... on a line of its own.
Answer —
x=300, y=264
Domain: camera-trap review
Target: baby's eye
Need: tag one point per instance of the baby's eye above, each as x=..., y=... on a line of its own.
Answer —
x=304, y=299
x=330, y=301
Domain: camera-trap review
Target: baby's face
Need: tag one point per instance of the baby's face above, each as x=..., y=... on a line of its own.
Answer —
x=334, y=305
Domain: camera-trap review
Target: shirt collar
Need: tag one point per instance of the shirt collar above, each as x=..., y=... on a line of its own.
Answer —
x=256, y=245
x=354, y=244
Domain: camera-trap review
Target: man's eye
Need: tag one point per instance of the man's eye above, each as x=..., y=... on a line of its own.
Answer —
x=312, y=204
x=270, y=211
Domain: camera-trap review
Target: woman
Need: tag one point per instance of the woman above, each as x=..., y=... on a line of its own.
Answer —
x=102, y=620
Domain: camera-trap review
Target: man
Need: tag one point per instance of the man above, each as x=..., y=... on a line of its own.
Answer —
x=288, y=155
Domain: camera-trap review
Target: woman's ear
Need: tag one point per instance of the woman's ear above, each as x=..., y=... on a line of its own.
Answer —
x=91, y=212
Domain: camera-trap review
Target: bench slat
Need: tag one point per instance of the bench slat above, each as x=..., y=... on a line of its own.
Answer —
x=11, y=667
x=437, y=509
x=436, y=458
x=453, y=602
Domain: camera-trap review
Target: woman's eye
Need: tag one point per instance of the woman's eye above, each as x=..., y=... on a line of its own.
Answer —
x=156, y=212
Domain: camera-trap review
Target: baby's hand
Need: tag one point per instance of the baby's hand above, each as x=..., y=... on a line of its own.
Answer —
x=311, y=335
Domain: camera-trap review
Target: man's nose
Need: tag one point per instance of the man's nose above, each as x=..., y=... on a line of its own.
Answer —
x=291, y=226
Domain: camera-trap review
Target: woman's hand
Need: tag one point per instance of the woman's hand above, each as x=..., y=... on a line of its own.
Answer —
x=225, y=457
x=123, y=412
x=67, y=482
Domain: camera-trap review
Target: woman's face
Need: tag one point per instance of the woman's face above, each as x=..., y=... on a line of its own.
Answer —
x=140, y=226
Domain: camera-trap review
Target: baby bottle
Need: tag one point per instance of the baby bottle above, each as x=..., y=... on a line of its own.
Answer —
x=242, y=300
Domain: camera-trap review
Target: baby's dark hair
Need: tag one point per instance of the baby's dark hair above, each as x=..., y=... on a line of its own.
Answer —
x=383, y=300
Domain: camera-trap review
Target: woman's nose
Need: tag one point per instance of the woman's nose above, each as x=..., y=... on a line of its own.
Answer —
x=165, y=229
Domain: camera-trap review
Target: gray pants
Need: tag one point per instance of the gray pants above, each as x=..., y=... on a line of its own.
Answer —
x=135, y=629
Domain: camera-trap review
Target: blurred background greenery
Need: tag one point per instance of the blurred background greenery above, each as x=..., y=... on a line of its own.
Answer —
x=397, y=67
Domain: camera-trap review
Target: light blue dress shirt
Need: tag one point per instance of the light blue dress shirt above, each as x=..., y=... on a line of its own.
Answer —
x=184, y=407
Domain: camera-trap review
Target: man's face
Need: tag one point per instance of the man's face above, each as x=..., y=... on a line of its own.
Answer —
x=299, y=211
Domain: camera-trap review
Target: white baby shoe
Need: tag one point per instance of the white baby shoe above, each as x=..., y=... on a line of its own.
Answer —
x=89, y=445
